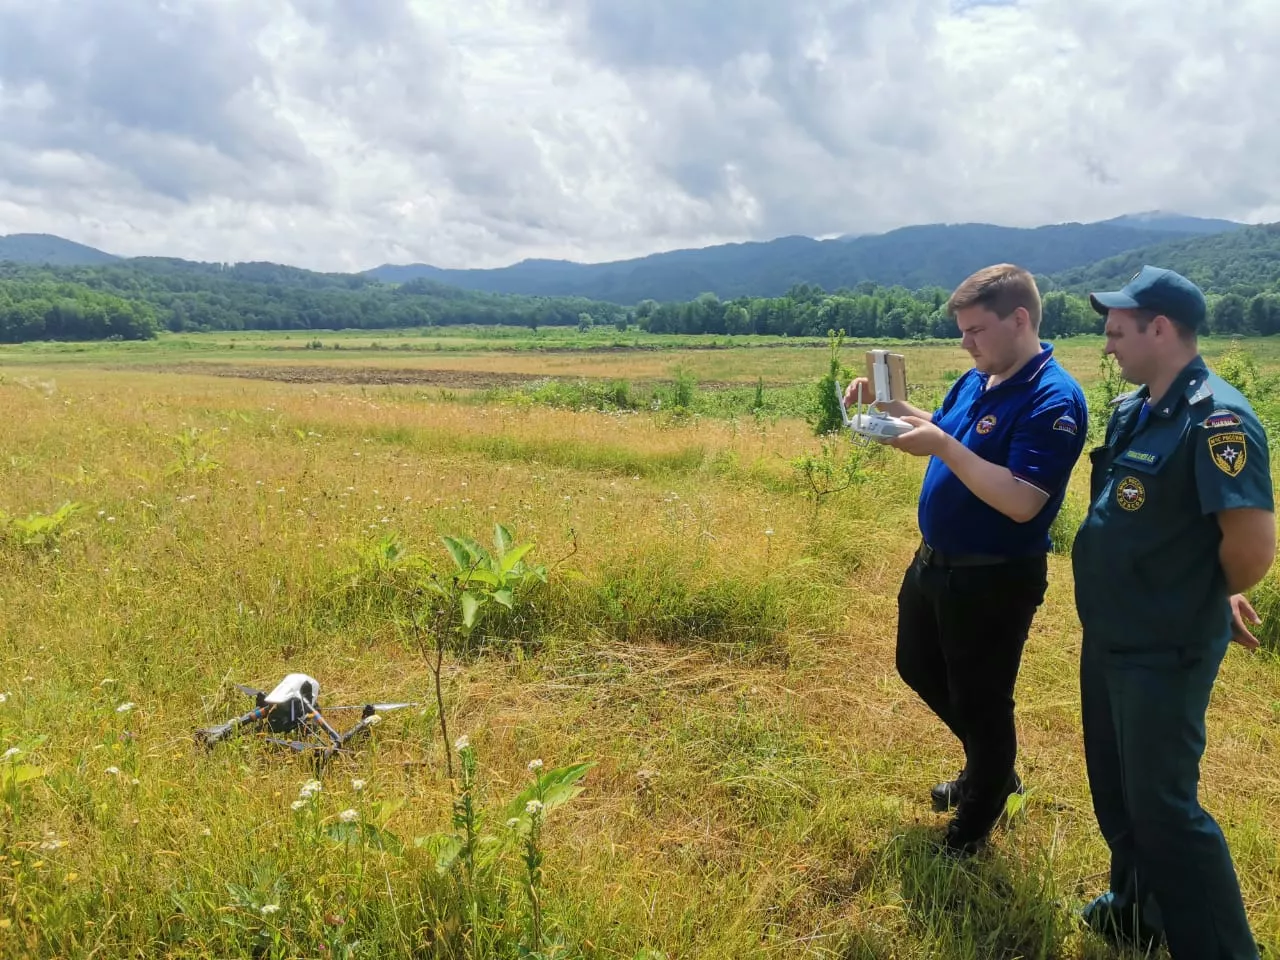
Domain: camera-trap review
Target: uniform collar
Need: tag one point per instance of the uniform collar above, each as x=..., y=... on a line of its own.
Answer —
x=1028, y=372
x=1191, y=384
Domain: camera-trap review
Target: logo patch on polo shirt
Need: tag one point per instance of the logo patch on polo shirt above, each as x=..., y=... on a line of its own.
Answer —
x=1131, y=494
x=1066, y=424
x=986, y=424
x=1222, y=418
x=1228, y=452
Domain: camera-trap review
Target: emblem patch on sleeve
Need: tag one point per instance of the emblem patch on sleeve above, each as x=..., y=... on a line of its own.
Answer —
x=1066, y=424
x=1131, y=494
x=986, y=424
x=1222, y=418
x=1228, y=452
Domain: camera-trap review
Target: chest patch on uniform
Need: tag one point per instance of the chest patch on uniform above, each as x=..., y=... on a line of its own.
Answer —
x=1131, y=494
x=986, y=424
x=1222, y=418
x=1228, y=452
x=1066, y=424
x=1141, y=456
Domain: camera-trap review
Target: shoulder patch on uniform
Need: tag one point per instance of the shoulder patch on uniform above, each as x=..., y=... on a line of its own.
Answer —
x=1067, y=424
x=1131, y=494
x=986, y=424
x=1229, y=452
x=1222, y=418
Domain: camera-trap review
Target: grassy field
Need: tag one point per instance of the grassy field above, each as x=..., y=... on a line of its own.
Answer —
x=714, y=638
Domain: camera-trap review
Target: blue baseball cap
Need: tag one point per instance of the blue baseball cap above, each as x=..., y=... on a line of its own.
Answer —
x=1154, y=288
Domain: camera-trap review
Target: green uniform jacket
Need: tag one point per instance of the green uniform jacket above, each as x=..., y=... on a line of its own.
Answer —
x=1145, y=559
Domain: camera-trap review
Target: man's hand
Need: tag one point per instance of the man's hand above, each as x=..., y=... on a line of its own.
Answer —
x=1242, y=612
x=894, y=408
x=924, y=439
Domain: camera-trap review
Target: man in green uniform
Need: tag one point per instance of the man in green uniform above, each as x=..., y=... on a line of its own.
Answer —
x=1179, y=525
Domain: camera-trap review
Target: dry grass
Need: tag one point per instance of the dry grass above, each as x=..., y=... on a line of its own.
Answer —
x=719, y=646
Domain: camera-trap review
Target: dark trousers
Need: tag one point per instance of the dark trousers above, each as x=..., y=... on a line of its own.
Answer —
x=1171, y=872
x=961, y=630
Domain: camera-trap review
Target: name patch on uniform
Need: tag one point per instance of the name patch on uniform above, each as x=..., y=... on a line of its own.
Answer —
x=1066, y=424
x=1222, y=418
x=1141, y=456
x=1228, y=452
x=986, y=424
x=1131, y=494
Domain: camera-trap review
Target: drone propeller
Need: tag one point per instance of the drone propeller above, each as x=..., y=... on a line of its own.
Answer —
x=294, y=744
x=251, y=692
x=378, y=707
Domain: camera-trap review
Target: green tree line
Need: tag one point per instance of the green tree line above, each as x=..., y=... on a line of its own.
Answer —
x=159, y=294
x=137, y=298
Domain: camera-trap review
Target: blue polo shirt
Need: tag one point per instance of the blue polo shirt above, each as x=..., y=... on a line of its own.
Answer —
x=1034, y=424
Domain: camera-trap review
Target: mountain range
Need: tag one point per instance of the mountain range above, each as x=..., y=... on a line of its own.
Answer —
x=931, y=255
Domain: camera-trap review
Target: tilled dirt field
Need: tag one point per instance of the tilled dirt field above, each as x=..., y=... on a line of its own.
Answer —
x=417, y=376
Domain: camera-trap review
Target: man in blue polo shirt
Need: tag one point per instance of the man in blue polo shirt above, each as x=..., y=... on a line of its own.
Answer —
x=1002, y=448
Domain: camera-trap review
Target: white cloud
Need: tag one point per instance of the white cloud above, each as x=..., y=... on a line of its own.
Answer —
x=338, y=134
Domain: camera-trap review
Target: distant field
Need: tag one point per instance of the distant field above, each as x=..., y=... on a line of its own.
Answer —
x=714, y=637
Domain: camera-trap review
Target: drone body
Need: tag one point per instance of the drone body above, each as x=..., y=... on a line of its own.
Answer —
x=290, y=708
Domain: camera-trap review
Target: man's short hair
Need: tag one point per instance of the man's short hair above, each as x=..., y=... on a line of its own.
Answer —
x=1002, y=289
x=1142, y=319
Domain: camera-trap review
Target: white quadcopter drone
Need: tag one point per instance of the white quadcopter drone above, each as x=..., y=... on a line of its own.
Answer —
x=887, y=372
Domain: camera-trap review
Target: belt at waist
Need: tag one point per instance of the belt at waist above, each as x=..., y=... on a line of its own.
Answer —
x=933, y=558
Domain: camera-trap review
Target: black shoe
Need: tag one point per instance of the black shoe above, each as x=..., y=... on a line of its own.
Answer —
x=1120, y=929
x=946, y=796
x=961, y=841
x=969, y=829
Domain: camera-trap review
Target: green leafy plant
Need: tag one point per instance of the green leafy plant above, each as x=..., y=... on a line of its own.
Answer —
x=456, y=604
x=826, y=418
x=829, y=471
x=487, y=577
x=194, y=449
x=474, y=856
x=37, y=530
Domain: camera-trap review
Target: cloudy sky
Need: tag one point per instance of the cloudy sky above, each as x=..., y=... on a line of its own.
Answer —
x=340, y=134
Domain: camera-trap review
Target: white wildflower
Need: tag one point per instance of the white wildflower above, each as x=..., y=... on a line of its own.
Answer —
x=769, y=532
x=114, y=771
x=134, y=782
x=535, y=766
x=206, y=832
x=298, y=804
x=348, y=816
x=10, y=753
x=309, y=788
x=513, y=822
x=462, y=743
x=533, y=807
x=125, y=707
x=270, y=908
x=4, y=697
x=51, y=842
x=357, y=785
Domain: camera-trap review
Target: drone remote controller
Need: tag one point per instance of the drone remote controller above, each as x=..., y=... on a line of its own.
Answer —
x=888, y=377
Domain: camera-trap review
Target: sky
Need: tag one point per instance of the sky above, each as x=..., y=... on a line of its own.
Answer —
x=342, y=134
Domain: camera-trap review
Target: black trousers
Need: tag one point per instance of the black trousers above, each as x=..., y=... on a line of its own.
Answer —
x=961, y=630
